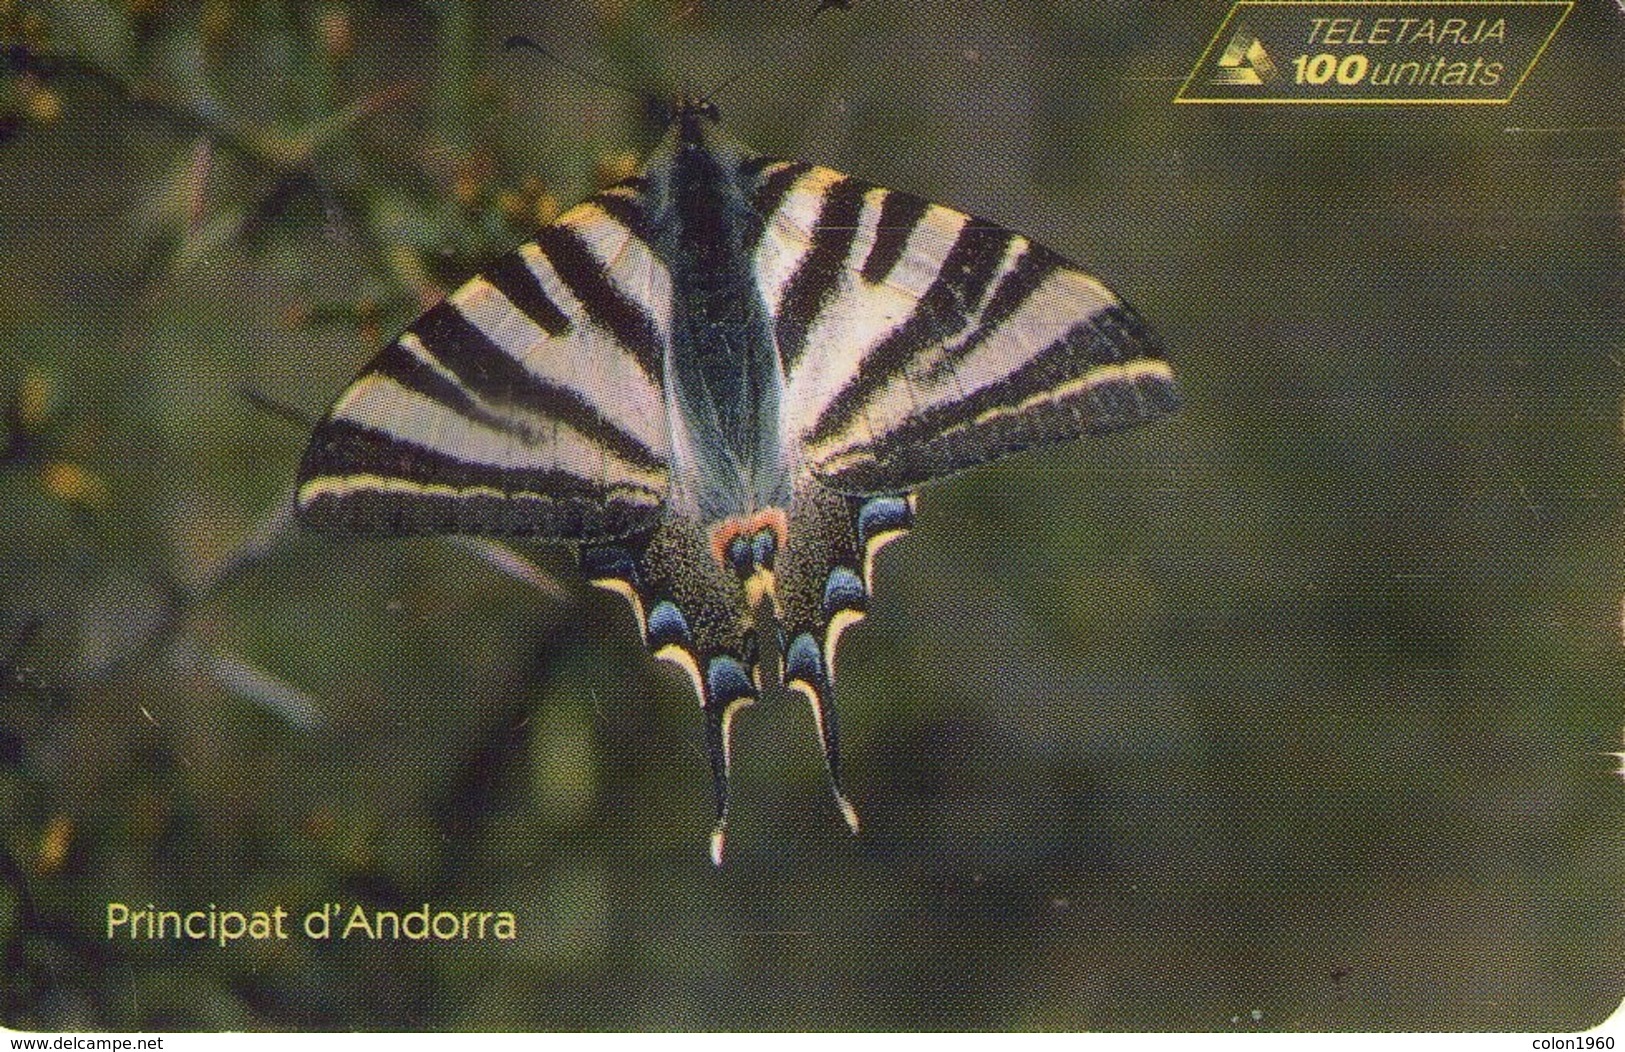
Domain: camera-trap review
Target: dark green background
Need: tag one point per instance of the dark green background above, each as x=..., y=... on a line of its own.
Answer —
x=1291, y=712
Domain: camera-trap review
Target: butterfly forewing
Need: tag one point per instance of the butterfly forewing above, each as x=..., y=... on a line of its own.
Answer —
x=940, y=340
x=528, y=403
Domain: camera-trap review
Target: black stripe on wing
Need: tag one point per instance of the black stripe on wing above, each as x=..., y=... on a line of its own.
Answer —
x=770, y=194
x=1086, y=382
x=512, y=277
x=498, y=379
x=900, y=213
x=819, y=274
x=627, y=211
x=624, y=318
x=1013, y=290
x=943, y=312
x=358, y=480
x=413, y=373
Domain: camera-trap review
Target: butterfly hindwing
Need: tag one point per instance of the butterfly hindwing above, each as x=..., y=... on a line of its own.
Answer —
x=693, y=612
x=527, y=403
x=824, y=578
x=918, y=341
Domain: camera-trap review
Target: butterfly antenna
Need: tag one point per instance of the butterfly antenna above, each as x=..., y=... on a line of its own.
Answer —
x=519, y=40
x=768, y=59
x=277, y=409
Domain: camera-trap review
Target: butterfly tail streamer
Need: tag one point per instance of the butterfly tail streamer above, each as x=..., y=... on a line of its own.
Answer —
x=692, y=612
x=825, y=579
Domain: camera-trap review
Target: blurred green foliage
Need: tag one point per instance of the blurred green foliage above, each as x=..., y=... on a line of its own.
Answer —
x=1292, y=713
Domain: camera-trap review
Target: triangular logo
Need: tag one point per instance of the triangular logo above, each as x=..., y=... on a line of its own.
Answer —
x=1245, y=61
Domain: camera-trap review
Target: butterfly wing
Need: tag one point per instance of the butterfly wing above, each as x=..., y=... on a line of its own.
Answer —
x=528, y=403
x=533, y=402
x=692, y=612
x=918, y=341
x=824, y=579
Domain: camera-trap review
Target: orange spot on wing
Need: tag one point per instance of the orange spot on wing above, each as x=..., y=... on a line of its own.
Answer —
x=773, y=519
x=723, y=534
x=721, y=537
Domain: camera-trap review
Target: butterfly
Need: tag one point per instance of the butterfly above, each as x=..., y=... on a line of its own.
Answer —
x=723, y=380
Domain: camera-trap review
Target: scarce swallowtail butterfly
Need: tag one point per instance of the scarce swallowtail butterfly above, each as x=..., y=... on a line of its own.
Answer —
x=722, y=380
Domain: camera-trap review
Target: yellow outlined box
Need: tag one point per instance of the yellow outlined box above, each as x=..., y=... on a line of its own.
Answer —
x=1256, y=67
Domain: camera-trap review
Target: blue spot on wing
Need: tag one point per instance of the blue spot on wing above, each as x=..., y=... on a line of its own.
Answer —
x=739, y=553
x=667, y=625
x=726, y=680
x=883, y=514
x=843, y=591
x=803, y=661
x=765, y=548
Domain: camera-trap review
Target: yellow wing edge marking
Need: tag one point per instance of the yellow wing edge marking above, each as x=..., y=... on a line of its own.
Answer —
x=630, y=594
x=802, y=687
x=1129, y=372
x=688, y=663
x=345, y=485
x=842, y=620
x=877, y=542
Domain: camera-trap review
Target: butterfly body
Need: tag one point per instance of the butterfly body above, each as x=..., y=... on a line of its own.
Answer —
x=725, y=375
x=723, y=379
